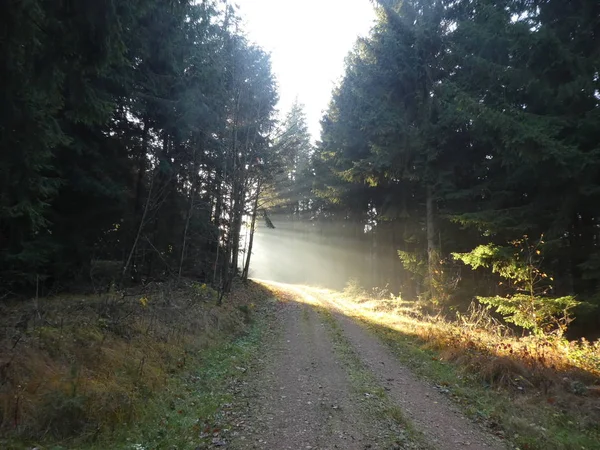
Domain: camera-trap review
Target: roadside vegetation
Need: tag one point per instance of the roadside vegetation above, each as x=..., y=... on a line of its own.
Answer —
x=463, y=135
x=538, y=391
x=128, y=369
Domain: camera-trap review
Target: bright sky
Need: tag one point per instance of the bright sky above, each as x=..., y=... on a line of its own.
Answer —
x=308, y=41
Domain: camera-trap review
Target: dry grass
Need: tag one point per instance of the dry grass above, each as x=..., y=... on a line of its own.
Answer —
x=81, y=365
x=563, y=372
x=539, y=393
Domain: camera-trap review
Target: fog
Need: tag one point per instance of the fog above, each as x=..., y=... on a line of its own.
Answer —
x=299, y=253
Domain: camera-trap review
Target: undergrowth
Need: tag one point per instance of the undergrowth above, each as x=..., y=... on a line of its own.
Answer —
x=80, y=371
x=540, y=392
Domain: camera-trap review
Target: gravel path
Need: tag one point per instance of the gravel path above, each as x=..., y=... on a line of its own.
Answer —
x=306, y=395
x=430, y=411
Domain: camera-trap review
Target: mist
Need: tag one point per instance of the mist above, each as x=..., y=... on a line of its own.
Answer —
x=300, y=253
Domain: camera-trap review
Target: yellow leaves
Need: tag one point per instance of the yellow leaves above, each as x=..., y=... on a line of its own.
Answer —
x=144, y=302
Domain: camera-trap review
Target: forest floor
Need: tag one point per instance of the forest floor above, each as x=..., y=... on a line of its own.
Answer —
x=276, y=366
x=327, y=382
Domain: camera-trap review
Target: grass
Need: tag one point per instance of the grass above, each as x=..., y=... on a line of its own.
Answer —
x=192, y=411
x=537, y=393
x=139, y=372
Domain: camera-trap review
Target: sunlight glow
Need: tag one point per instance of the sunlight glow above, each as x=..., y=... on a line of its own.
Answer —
x=308, y=41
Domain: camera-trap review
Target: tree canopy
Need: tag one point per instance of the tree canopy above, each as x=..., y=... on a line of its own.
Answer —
x=461, y=124
x=131, y=135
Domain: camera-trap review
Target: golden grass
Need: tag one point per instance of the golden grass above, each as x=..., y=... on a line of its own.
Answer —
x=488, y=349
x=81, y=365
x=537, y=392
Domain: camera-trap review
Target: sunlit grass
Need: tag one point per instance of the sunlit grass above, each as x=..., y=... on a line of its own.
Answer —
x=296, y=293
x=482, y=343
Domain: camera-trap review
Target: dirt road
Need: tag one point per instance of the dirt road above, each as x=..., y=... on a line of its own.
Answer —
x=327, y=383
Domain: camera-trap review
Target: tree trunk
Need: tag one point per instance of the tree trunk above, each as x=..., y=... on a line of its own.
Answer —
x=252, y=228
x=226, y=278
x=432, y=249
x=138, y=205
x=141, y=160
x=218, y=207
x=163, y=180
x=189, y=212
x=236, y=203
x=237, y=228
x=139, y=232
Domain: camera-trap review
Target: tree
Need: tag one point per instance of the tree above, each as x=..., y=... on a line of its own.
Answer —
x=452, y=129
x=290, y=178
x=129, y=138
x=530, y=305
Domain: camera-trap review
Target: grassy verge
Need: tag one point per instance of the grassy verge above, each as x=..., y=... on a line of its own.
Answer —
x=192, y=412
x=364, y=383
x=535, y=400
x=156, y=374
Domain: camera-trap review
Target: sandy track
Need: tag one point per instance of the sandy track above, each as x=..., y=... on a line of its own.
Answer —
x=304, y=398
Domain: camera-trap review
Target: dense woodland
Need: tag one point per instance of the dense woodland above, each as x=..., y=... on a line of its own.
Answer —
x=133, y=136
x=459, y=156
x=465, y=135
x=458, y=168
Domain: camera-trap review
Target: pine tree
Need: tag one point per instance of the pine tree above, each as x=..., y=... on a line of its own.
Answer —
x=117, y=140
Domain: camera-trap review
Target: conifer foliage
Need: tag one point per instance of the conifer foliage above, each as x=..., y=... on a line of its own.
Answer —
x=463, y=125
x=132, y=134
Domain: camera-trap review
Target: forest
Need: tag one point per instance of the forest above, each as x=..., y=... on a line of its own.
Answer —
x=460, y=158
x=154, y=202
x=133, y=136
